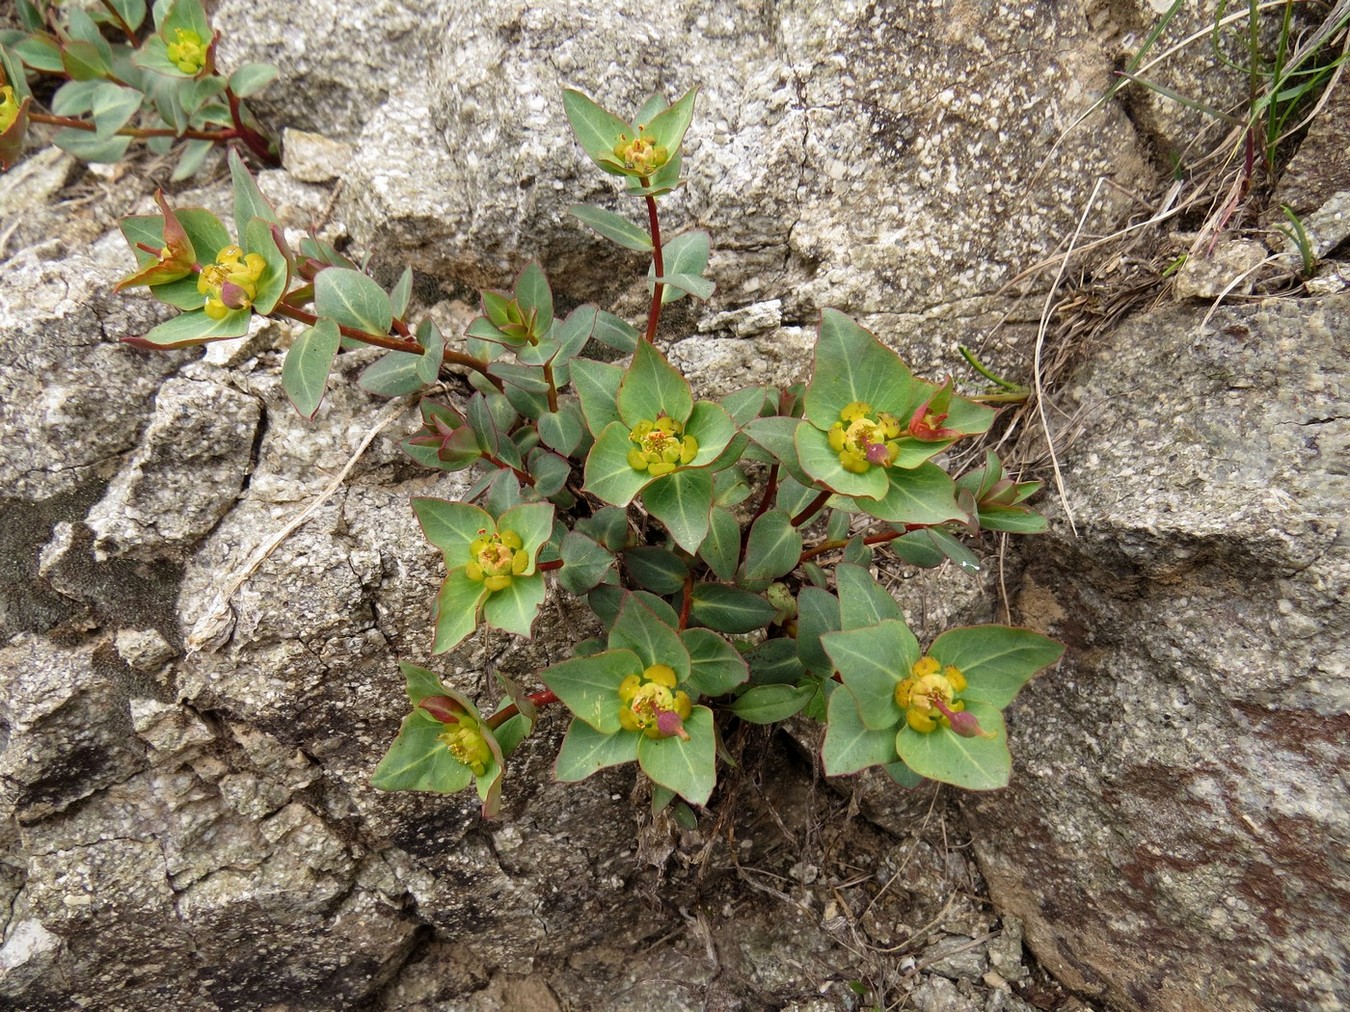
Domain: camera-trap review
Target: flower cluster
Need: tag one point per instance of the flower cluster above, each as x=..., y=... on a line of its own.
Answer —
x=187, y=52
x=231, y=282
x=662, y=446
x=651, y=704
x=495, y=558
x=929, y=698
x=9, y=108
x=641, y=154
x=862, y=438
x=466, y=743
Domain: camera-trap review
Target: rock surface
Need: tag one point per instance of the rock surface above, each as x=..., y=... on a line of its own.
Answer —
x=1173, y=838
x=195, y=829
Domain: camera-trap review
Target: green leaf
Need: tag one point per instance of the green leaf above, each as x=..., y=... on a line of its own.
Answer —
x=39, y=53
x=710, y=424
x=863, y=601
x=89, y=147
x=401, y=294
x=652, y=387
x=562, y=430
x=433, y=351
x=775, y=662
x=639, y=629
x=608, y=474
x=850, y=745
x=534, y=296
x=721, y=549
x=872, y=661
x=681, y=501
x=608, y=525
x=715, y=667
x=975, y=764
x=1013, y=519
x=456, y=610
x=420, y=683
x=730, y=609
x=419, y=761
x=354, y=300
x=597, y=384
x=612, y=227
x=924, y=495
x=997, y=660
x=777, y=434
x=533, y=522
x=774, y=548
x=852, y=365
x=192, y=157
x=513, y=608
x=667, y=127
x=252, y=78
x=656, y=569
x=597, y=130
x=112, y=106
x=249, y=202
x=585, y=751
x=85, y=61
x=589, y=686
x=196, y=328
x=392, y=375
x=615, y=333
x=817, y=614
x=684, y=259
x=550, y=471
x=304, y=374
x=258, y=238
x=689, y=768
x=452, y=527
x=768, y=704
x=585, y=563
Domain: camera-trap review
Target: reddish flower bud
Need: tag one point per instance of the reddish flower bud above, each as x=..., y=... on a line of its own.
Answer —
x=442, y=708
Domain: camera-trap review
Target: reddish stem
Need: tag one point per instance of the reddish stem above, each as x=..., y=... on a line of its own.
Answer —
x=544, y=567
x=658, y=265
x=687, y=601
x=871, y=539
x=499, y=718
x=256, y=142
x=524, y=476
x=812, y=508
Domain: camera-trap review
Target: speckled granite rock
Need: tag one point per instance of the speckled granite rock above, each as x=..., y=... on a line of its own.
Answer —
x=1174, y=837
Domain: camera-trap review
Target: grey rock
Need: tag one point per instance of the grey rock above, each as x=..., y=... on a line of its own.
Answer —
x=188, y=470
x=1164, y=838
x=938, y=994
x=144, y=649
x=1228, y=270
x=59, y=323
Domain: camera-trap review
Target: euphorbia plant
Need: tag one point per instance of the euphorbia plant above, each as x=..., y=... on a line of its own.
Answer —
x=124, y=83
x=722, y=545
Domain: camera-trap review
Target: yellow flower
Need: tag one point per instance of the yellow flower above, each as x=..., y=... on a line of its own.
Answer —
x=863, y=439
x=466, y=744
x=641, y=154
x=231, y=282
x=644, y=698
x=929, y=693
x=187, y=52
x=9, y=108
x=495, y=558
x=661, y=446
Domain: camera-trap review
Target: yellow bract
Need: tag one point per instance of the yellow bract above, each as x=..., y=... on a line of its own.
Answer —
x=495, y=558
x=862, y=439
x=466, y=743
x=231, y=282
x=662, y=446
x=645, y=697
x=927, y=681
x=187, y=52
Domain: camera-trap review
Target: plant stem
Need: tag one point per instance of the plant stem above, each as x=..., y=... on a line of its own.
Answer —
x=658, y=265
x=408, y=345
x=829, y=546
x=812, y=508
x=499, y=718
x=122, y=26
x=687, y=601
x=256, y=142
x=552, y=387
x=544, y=567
